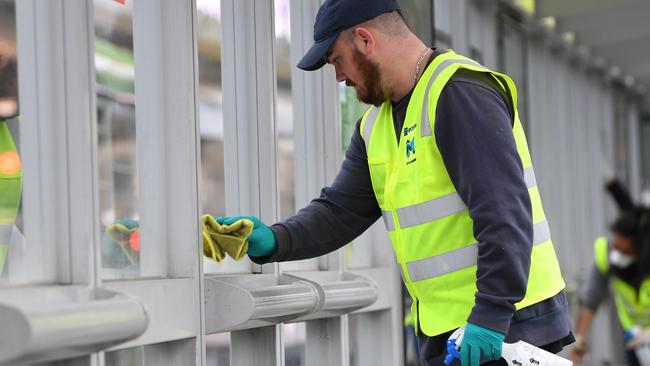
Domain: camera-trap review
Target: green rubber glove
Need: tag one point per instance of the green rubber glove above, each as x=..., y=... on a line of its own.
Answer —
x=261, y=242
x=480, y=344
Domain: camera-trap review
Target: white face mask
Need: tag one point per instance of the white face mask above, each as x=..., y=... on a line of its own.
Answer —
x=619, y=259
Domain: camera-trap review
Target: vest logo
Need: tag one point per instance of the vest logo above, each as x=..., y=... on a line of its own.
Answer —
x=408, y=130
x=410, y=147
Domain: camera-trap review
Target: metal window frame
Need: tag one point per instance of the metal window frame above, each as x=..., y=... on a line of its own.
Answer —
x=317, y=142
x=59, y=153
x=58, y=137
x=249, y=100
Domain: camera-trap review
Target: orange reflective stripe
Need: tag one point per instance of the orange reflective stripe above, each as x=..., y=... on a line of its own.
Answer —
x=9, y=162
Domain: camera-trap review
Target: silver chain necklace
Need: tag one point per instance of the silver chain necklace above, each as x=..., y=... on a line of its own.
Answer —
x=417, y=68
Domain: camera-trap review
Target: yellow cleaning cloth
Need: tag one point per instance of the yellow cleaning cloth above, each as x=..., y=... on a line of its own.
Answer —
x=231, y=239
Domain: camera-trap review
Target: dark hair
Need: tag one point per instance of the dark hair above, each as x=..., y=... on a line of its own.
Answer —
x=635, y=224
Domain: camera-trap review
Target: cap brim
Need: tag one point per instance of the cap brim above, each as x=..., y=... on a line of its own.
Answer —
x=314, y=59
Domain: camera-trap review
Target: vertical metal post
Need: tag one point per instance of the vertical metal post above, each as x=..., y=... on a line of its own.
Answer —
x=248, y=70
x=168, y=156
x=318, y=154
x=316, y=111
x=634, y=150
x=81, y=116
x=249, y=84
x=458, y=32
x=58, y=129
x=167, y=136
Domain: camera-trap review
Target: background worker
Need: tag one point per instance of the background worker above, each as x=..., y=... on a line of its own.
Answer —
x=443, y=159
x=621, y=262
x=10, y=166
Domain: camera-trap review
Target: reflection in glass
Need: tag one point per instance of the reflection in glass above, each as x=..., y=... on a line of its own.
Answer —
x=351, y=111
x=11, y=240
x=212, y=184
x=118, y=178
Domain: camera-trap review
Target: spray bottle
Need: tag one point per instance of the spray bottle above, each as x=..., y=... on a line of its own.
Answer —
x=516, y=354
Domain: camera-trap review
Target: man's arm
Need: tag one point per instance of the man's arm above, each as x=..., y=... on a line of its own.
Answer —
x=592, y=293
x=473, y=130
x=343, y=211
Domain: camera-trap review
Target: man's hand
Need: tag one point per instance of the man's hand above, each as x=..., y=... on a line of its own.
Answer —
x=579, y=349
x=480, y=344
x=261, y=242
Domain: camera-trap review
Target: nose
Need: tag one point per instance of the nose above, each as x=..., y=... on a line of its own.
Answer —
x=340, y=75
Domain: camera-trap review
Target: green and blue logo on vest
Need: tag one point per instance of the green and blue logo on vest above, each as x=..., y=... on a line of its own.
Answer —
x=410, y=147
x=408, y=130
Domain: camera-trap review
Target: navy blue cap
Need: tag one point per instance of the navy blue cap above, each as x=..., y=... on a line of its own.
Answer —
x=335, y=16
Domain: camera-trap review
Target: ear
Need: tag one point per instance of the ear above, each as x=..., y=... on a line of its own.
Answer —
x=364, y=40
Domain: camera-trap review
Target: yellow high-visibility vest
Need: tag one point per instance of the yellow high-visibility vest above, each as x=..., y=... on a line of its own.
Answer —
x=632, y=308
x=10, y=188
x=428, y=223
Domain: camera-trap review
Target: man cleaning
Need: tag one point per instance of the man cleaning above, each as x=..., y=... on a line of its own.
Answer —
x=442, y=158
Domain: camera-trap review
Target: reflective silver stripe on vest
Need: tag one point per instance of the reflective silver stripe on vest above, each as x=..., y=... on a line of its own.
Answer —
x=388, y=220
x=430, y=210
x=462, y=258
x=5, y=233
x=367, y=127
x=529, y=177
x=438, y=208
x=425, y=124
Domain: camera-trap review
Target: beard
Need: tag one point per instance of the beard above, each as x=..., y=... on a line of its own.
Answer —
x=369, y=89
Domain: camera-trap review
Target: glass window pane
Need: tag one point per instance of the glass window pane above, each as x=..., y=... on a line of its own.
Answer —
x=11, y=240
x=118, y=174
x=285, y=126
x=284, y=67
x=351, y=111
x=211, y=125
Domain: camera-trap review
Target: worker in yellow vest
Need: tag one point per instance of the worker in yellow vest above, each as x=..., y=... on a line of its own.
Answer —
x=621, y=263
x=10, y=188
x=441, y=156
x=10, y=167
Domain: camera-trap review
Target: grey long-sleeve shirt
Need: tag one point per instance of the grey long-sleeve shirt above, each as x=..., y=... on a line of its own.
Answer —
x=473, y=131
